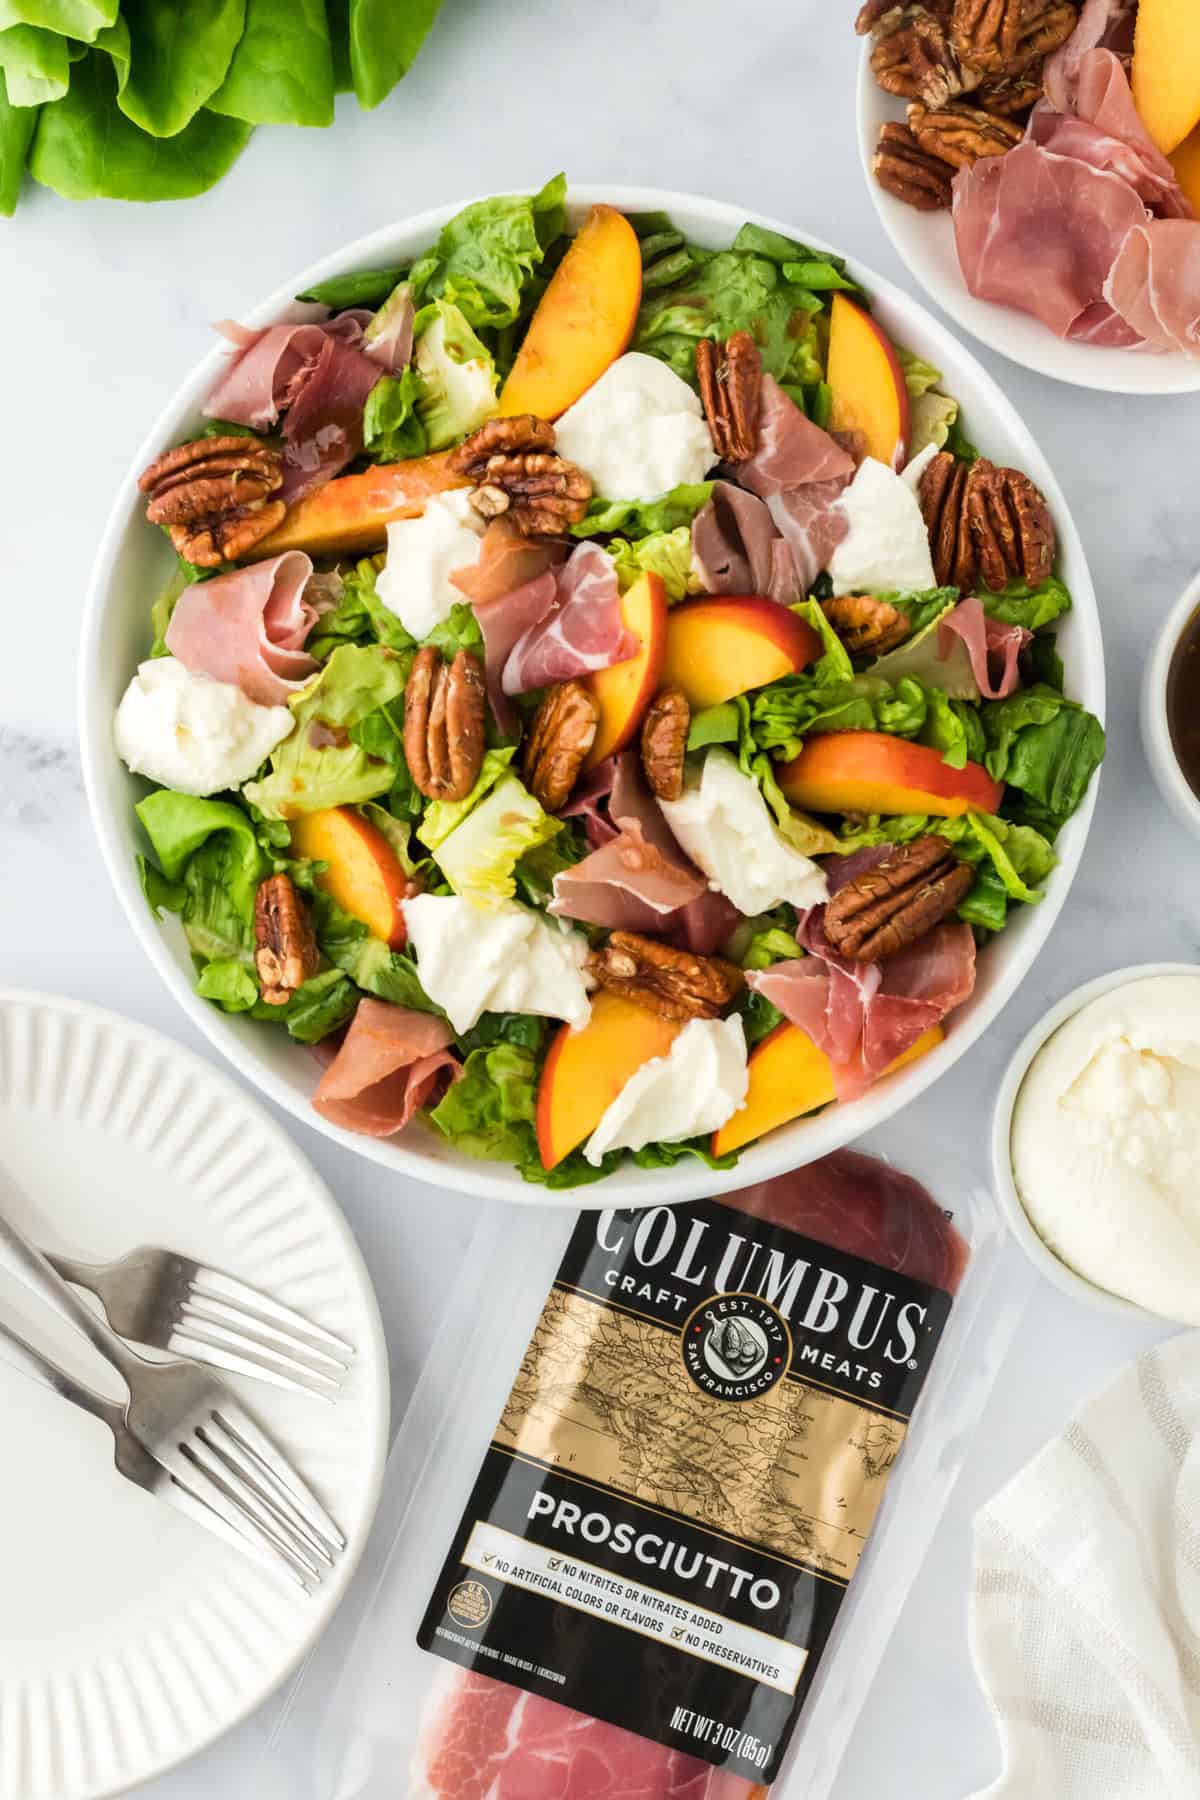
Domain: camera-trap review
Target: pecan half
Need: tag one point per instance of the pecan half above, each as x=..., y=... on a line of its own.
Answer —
x=285, y=950
x=914, y=58
x=664, y=742
x=867, y=626
x=892, y=905
x=943, y=495
x=562, y=733
x=445, y=715
x=675, y=984
x=1010, y=96
x=1010, y=526
x=214, y=496
x=961, y=134
x=730, y=377
x=1008, y=36
x=909, y=173
x=516, y=471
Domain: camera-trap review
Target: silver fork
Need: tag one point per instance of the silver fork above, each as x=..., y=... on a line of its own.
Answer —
x=174, y=1303
x=198, y=1498
x=189, y=1420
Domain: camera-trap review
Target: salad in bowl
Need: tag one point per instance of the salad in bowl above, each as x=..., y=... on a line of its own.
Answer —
x=605, y=709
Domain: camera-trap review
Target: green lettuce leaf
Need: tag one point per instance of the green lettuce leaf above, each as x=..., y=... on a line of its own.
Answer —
x=453, y=375
x=1011, y=860
x=833, y=665
x=34, y=64
x=369, y=962
x=645, y=518
x=486, y=255
x=85, y=146
x=489, y=1111
x=442, y=816
x=667, y=554
x=366, y=287
x=179, y=54
x=282, y=69
x=305, y=776
x=211, y=862
x=392, y=428
x=665, y=1156
x=534, y=874
x=458, y=632
x=775, y=944
x=479, y=856
x=1019, y=604
x=931, y=419
x=1046, y=749
x=321, y=1005
x=919, y=657
x=360, y=617
x=954, y=728
x=80, y=19
x=17, y=125
x=383, y=40
x=726, y=291
x=229, y=985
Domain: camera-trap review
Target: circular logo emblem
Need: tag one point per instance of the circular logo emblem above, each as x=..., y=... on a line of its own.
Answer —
x=470, y=1604
x=736, y=1346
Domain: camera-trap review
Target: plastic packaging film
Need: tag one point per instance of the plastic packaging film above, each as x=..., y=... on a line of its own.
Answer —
x=643, y=1510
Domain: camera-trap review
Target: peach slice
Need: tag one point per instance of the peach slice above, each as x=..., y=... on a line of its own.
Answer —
x=1166, y=69
x=867, y=383
x=583, y=321
x=586, y=1070
x=365, y=876
x=626, y=690
x=1185, y=160
x=869, y=772
x=790, y=1076
x=353, y=512
x=726, y=645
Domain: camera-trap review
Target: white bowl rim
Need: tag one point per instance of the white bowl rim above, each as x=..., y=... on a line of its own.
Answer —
x=1036, y=1038
x=1014, y=334
x=1156, y=731
x=780, y=1151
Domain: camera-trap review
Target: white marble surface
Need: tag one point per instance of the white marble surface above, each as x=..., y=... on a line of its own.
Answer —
x=102, y=309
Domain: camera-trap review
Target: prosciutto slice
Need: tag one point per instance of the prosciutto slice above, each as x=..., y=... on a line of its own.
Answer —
x=504, y=621
x=507, y=560
x=483, y=1740
x=1155, y=284
x=388, y=1066
x=248, y=628
x=865, y=1015
x=1102, y=23
x=626, y=885
x=737, y=548
x=992, y=646
x=583, y=632
x=255, y=386
x=1034, y=209
x=792, y=451
x=324, y=426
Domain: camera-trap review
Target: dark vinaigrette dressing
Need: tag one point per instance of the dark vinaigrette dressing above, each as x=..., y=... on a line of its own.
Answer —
x=1183, y=702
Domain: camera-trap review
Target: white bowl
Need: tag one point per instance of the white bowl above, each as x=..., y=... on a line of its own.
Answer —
x=134, y=562
x=1173, y=784
x=1019, y=1222
x=925, y=242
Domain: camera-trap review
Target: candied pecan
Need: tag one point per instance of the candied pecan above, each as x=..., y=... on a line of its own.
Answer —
x=664, y=742
x=1009, y=96
x=730, y=377
x=445, y=714
x=515, y=470
x=909, y=173
x=285, y=950
x=562, y=733
x=914, y=58
x=1010, y=525
x=892, y=905
x=1007, y=36
x=943, y=494
x=675, y=984
x=867, y=626
x=214, y=496
x=961, y=134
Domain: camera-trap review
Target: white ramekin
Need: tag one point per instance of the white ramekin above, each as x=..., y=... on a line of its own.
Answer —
x=1173, y=785
x=1019, y=1222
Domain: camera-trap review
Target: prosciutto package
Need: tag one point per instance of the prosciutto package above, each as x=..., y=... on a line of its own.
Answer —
x=531, y=1356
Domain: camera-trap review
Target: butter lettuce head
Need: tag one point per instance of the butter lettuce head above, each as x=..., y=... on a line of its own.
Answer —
x=453, y=376
x=322, y=763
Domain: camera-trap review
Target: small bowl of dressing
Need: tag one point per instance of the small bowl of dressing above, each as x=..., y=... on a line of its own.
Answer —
x=1171, y=708
x=1096, y=1140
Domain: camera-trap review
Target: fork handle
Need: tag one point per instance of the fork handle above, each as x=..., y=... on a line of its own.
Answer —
x=32, y=1361
x=50, y=1287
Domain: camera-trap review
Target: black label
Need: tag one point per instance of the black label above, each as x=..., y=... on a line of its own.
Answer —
x=684, y=1477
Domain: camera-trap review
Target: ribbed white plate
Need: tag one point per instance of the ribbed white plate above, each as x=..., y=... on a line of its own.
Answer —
x=129, y=1636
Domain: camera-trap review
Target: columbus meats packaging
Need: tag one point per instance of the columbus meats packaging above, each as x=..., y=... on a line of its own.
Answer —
x=665, y=1482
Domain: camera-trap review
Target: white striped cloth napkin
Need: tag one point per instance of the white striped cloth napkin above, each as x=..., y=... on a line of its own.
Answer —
x=1085, y=1616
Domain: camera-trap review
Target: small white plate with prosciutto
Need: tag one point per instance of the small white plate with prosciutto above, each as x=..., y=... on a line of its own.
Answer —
x=607, y=695
x=1038, y=170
